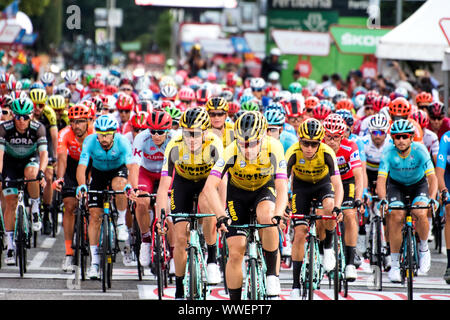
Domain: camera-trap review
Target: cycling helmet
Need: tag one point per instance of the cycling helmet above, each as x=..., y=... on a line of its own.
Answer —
x=276, y=106
x=110, y=89
x=227, y=94
x=424, y=98
x=22, y=107
x=174, y=113
x=217, y=103
x=251, y=125
x=145, y=95
x=47, y=78
x=57, y=102
x=233, y=107
x=329, y=92
x=96, y=84
x=421, y=118
x=238, y=114
x=38, y=96
x=311, y=102
x=436, y=109
x=402, y=91
x=6, y=101
x=231, y=79
x=250, y=106
x=380, y=102
x=257, y=83
x=37, y=85
x=105, y=123
x=358, y=101
x=399, y=107
x=402, y=126
x=202, y=95
x=65, y=92
x=311, y=129
x=347, y=116
x=246, y=98
x=344, y=104
x=71, y=76
x=295, y=87
x=124, y=102
x=334, y=124
x=169, y=92
x=295, y=108
x=98, y=101
x=186, y=94
x=274, y=117
x=321, y=111
x=139, y=120
x=378, y=122
x=339, y=96
x=79, y=111
x=195, y=118
x=159, y=120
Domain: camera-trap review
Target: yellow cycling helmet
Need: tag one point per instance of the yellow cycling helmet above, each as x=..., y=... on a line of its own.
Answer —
x=57, y=102
x=194, y=118
x=311, y=129
x=38, y=96
x=217, y=103
x=251, y=125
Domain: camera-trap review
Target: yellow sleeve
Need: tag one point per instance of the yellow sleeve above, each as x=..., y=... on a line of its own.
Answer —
x=168, y=162
x=50, y=114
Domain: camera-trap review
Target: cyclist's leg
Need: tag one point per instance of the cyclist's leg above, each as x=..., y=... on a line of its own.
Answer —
x=47, y=196
x=350, y=223
x=236, y=250
x=118, y=182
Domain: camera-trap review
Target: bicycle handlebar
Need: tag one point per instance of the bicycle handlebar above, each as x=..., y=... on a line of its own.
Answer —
x=191, y=215
x=308, y=217
x=252, y=226
x=112, y=192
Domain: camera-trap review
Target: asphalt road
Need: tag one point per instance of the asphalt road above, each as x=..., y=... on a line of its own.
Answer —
x=45, y=280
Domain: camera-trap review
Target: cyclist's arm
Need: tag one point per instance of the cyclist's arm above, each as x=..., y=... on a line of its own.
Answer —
x=42, y=147
x=162, y=195
x=336, y=181
x=81, y=174
x=212, y=195
x=432, y=185
x=133, y=177
x=359, y=182
x=440, y=178
x=54, y=135
x=61, y=165
x=381, y=187
x=281, y=201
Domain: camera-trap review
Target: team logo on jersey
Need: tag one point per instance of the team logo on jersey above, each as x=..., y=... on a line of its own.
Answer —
x=282, y=164
x=242, y=164
x=341, y=160
x=301, y=161
x=220, y=163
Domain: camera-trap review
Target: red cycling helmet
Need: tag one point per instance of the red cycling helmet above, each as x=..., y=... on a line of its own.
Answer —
x=399, y=107
x=311, y=102
x=139, y=120
x=91, y=106
x=110, y=90
x=294, y=108
x=203, y=95
x=231, y=79
x=334, y=124
x=124, y=102
x=159, y=120
x=436, y=109
x=380, y=102
x=233, y=108
x=421, y=118
x=321, y=111
x=79, y=111
x=96, y=84
x=345, y=104
x=424, y=98
x=186, y=94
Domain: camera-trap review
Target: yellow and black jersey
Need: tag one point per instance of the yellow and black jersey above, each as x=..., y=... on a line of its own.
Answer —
x=191, y=166
x=323, y=163
x=252, y=175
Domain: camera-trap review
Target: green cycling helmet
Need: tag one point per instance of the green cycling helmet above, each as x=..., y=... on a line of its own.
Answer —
x=174, y=113
x=22, y=107
x=295, y=87
x=250, y=106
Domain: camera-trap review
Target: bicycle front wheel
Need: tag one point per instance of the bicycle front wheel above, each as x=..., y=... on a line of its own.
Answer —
x=104, y=254
x=21, y=242
x=311, y=270
x=409, y=262
x=158, y=265
x=337, y=269
x=193, y=275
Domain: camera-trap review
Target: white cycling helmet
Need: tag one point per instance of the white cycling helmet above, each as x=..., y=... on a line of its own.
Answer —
x=257, y=83
x=378, y=122
x=47, y=78
x=71, y=76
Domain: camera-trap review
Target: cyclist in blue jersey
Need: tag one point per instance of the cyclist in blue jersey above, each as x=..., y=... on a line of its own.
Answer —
x=111, y=159
x=275, y=121
x=145, y=173
x=411, y=172
x=443, y=176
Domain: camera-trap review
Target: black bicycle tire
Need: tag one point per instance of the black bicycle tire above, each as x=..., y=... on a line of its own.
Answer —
x=84, y=254
x=110, y=253
x=159, y=274
x=409, y=263
x=137, y=246
x=223, y=262
x=55, y=214
x=193, y=290
x=104, y=251
x=336, y=280
x=20, y=243
x=311, y=269
x=77, y=235
x=379, y=225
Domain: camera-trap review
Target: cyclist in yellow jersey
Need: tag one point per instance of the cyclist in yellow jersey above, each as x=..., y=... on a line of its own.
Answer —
x=58, y=104
x=45, y=115
x=218, y=110
x=316, y=175
x=256, y=181
x=188, y=159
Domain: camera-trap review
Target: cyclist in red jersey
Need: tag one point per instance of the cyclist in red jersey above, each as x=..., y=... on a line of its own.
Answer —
x=70, y=140
x=350, y=169
x=439, y=123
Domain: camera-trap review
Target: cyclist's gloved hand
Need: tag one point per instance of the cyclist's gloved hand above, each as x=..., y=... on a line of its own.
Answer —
x=224, y=220
x=445, y=195
x=434, y=203
x=127, y=188
x=382, y=203
x=276, y=219
x=81, y=189
x=57, y=184
x=338, y=212
x=366, y=195
x=40, y=175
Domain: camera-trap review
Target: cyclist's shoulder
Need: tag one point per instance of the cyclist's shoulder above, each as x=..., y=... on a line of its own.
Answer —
x=325, y=149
